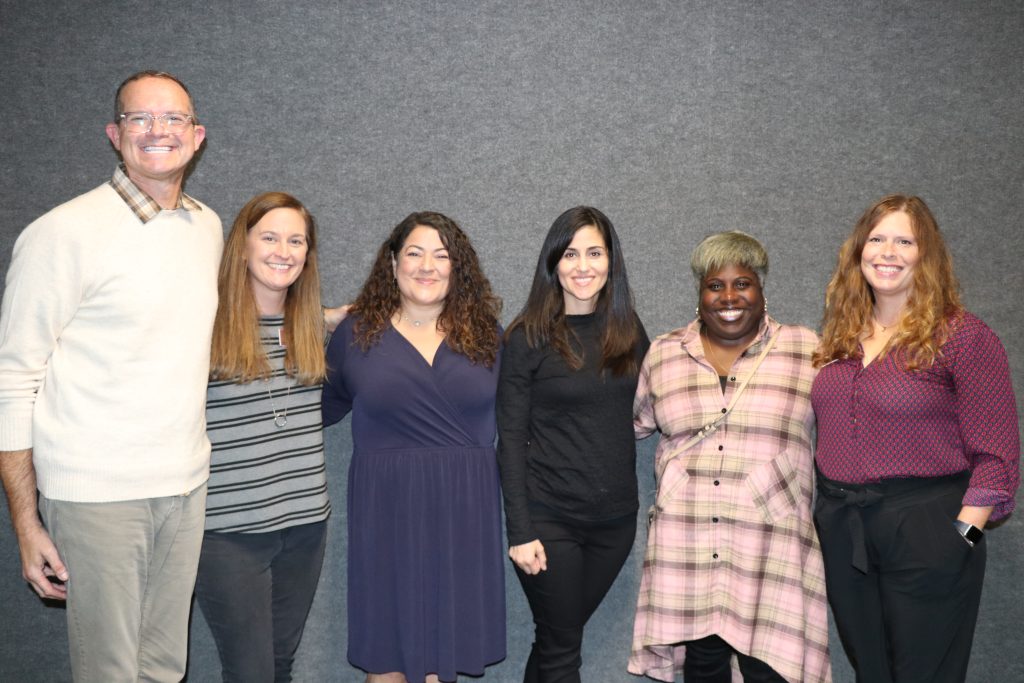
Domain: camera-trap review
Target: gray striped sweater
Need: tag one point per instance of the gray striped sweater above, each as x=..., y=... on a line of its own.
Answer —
x=265, y=477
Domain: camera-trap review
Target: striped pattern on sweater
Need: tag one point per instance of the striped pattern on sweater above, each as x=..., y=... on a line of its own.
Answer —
x=264, y=477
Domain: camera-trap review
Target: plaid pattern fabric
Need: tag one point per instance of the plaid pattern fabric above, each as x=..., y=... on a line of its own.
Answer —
x=141, y=204
x=733, y=550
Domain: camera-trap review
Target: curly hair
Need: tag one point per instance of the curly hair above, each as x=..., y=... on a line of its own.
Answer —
x=469, y=318
x=933, y=304
x=543, y=315
x=236, y=351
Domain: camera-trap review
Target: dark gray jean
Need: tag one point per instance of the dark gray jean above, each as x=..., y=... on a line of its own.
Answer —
x=255, y=591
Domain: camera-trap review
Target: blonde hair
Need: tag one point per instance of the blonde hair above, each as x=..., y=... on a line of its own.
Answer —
x=730, y=248
x=932, y=306
x=237, y=353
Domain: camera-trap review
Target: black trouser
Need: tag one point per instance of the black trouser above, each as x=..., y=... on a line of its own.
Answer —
x=903, y=584
x=709, y=660
x=255, y=591
x=583, y=561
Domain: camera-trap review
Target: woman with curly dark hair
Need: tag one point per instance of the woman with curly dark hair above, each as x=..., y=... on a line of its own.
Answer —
x=416, y=362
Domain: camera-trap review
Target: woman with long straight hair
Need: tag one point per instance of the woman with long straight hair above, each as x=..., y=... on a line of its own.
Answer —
x=267, y=504
x=566, y=447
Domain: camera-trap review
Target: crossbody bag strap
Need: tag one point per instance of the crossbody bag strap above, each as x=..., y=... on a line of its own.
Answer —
x=712, y=426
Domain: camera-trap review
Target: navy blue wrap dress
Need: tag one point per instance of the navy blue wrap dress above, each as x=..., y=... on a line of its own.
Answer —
x=426, y=588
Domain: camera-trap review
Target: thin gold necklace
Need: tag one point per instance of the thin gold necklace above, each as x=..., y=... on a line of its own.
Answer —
x=715, y=362
x=885, y=328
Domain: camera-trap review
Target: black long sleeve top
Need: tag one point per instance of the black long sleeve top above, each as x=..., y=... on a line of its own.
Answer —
x=565, y=437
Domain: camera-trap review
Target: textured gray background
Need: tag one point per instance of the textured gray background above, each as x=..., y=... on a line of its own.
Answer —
x=785, y=119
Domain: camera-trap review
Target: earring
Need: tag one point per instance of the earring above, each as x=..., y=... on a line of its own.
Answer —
x=766, y=305
x=696, y=312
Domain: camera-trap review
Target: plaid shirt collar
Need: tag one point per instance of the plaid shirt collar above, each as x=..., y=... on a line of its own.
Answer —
x=141, y=204
x=689, y=336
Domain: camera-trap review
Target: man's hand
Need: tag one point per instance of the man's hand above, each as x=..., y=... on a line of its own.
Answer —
x=40, y=560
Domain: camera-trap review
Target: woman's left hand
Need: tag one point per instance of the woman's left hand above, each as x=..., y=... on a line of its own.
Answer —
x=977, y=516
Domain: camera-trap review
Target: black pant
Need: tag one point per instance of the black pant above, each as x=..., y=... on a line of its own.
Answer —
x=903, y=584
x=255, y=591
x=583, y=561
x=708, y=660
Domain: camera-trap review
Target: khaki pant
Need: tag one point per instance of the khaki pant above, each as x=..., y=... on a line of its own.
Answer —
x=132, y=566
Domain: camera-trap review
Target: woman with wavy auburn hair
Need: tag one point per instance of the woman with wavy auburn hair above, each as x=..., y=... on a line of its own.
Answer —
x=267, y=507
x=918, y=448
x=416, y=363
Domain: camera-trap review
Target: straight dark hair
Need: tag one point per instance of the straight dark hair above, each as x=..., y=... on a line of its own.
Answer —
x=543, y=316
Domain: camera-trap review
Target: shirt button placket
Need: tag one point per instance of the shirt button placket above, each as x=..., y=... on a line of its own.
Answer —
x=716, y=499
x=854, y=408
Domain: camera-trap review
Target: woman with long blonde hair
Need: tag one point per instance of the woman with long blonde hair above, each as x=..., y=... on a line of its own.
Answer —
x=267, y=507
x=918, y=448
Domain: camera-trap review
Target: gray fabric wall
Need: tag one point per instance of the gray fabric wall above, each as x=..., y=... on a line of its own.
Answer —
x=785, y=119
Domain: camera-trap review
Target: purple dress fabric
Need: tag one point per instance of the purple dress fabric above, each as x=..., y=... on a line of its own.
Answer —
x=426, y=588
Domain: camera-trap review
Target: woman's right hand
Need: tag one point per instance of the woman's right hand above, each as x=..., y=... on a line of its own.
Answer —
x=529, y=557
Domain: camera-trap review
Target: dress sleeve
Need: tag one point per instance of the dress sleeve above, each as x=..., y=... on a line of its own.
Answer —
x=337, y=400
x=44, y=290
x=644, y=420
x=987, y=413
x=513, y=409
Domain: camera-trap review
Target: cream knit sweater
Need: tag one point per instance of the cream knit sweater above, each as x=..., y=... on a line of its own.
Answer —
x=104, y=348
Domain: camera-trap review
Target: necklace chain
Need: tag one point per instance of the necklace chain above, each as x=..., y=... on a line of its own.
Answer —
x=885, y=328
x=711, y=352
x=415, y=323
x=280, y=418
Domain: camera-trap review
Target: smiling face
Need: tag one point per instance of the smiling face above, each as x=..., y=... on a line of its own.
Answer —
x=583, y=271
x=731, y=305
x=275, y=253
x=157, y=157
x=889, y=256
x=422, y=268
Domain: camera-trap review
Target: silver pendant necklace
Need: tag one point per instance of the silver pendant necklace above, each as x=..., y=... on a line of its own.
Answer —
x=415, y=323
x=280, y=419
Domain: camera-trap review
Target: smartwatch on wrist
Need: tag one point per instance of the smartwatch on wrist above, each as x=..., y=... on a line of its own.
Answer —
x=971, y=533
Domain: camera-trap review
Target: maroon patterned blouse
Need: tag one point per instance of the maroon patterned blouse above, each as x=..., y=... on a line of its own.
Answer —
x=884, y=422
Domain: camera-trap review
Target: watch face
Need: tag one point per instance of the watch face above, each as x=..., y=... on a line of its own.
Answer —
x=969, y=531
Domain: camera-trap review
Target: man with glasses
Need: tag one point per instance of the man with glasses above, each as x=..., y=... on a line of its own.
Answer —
x=104, y=354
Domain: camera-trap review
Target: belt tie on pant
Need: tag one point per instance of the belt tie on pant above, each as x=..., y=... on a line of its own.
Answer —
x=861, y=497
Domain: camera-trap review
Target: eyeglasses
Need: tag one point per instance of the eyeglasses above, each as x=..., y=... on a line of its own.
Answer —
x=142, y=121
